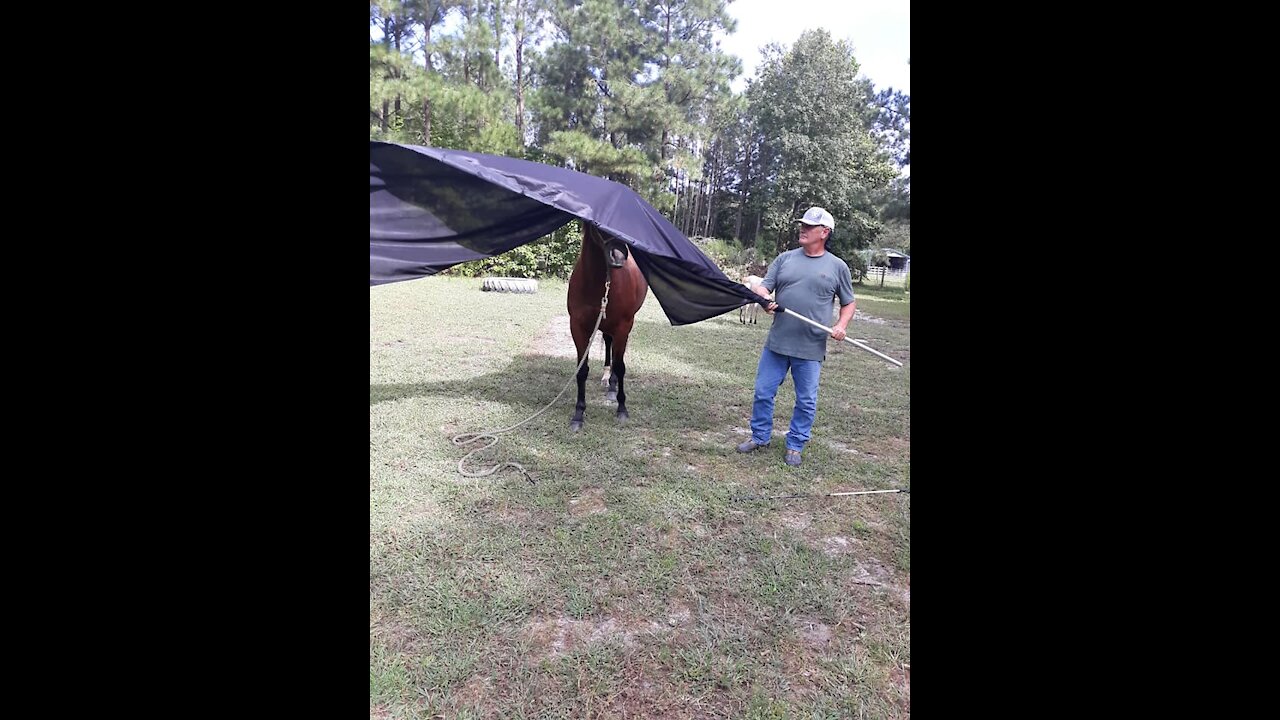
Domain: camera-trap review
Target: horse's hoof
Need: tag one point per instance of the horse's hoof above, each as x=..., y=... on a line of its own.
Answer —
x=611, y=396
x=575, y=425
x=623, y=417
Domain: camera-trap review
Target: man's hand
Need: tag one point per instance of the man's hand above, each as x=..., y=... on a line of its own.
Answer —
x=762, y=292
x=842, y=322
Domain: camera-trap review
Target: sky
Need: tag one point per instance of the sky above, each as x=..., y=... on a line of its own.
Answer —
x=879, y=30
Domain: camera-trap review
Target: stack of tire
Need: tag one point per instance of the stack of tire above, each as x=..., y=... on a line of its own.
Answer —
x=526, y=286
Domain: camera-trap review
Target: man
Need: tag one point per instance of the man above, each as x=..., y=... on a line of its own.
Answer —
x=805, y=280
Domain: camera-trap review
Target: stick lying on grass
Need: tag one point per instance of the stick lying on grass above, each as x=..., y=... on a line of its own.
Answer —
x=812, y=495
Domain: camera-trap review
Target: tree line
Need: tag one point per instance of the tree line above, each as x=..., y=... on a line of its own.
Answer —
x=638, y=91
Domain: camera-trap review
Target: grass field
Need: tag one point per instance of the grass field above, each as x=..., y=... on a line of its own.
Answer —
x=628, y=580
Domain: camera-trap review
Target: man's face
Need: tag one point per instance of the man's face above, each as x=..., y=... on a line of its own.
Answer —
x=811, y=234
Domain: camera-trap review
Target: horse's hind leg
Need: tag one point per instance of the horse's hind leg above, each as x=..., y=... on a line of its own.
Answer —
x=620, y=372
x=605, y=382
x=611, y=385
x=610, y=380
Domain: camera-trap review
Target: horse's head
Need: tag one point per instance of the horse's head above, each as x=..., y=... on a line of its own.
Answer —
x=615, y=253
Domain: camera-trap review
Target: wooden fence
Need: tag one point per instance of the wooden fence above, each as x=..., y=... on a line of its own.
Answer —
x=881, y=275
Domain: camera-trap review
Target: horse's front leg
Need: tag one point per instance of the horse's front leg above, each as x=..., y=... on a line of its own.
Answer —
x=620, y=373
x=575, y=423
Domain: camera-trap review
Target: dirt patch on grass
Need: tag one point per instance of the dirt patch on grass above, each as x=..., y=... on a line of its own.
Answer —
x=473, y=693
x=874, y=573
x=589, y=502
x=428, y=513
x=678, y=614
x=650, y=692
x=814, y=633
x=892, y=447
x=795, y=520
x=554, y=339
x=552, y=637
x=391, y=634
x=901, y=677
x=669, y=538
x=843, y=447
x=859, y=316
x=835, y=545
x=510, y=515
x=801, y=663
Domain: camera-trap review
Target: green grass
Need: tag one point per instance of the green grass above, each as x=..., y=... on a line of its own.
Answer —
x=890, y=302
x=627, y=579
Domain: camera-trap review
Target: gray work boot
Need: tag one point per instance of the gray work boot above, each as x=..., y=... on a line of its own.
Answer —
x=792, y=458
x=750, y=445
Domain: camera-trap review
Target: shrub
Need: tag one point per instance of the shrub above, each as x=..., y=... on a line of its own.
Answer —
x=552, y=255
x=734, y=261
x=857, y=263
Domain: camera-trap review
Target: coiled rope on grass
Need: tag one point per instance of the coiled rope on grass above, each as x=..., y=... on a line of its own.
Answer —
x=492, y=435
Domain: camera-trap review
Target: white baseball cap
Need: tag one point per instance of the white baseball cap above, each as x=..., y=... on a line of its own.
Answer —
x=818, y=216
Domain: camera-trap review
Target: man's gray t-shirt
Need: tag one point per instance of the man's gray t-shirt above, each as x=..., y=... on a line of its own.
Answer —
x=805, y=285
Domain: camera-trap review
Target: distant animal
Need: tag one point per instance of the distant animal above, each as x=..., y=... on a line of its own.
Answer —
x=747, y=313
x=604, y=257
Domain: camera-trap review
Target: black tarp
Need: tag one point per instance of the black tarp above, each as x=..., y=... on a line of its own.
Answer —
x=430, y=209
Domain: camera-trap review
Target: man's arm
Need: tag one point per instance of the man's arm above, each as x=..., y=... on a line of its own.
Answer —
x=762, y=292
x=846, y=311
x=767, y=285
x=846, y=314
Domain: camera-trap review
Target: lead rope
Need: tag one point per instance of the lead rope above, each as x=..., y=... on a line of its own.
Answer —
x=493, y=434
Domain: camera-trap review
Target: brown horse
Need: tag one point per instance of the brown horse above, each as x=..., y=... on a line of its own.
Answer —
x=602, y=258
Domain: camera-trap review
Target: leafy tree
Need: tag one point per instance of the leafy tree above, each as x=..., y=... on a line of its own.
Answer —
x=811, y=110
x=638, y=91
x=891, y=123
x=525, y=22
x=897, y=235
x=391, y=67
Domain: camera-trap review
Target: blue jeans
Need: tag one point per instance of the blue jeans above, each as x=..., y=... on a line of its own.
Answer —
x=769, y=375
